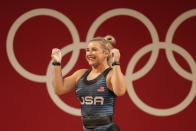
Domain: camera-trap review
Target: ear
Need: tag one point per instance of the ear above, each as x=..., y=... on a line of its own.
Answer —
x=107, y=53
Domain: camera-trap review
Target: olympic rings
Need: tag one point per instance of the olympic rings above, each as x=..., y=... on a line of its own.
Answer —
x=155, y=46
x=19, y=22
x=129, y=78
x=169, y=37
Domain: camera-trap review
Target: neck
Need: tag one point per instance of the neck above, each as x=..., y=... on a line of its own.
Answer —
x=99, y=68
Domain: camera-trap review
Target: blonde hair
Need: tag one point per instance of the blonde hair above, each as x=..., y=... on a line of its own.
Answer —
x=106, y=43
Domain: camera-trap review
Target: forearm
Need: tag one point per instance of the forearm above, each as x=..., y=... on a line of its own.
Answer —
x=57, y=79
x=118, y=81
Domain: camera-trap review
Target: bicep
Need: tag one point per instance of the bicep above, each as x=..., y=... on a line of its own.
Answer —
x=108, y=81
x=71, y=81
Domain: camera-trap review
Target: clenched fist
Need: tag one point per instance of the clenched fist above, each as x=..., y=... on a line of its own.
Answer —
x=115, y=56
x=56, y=55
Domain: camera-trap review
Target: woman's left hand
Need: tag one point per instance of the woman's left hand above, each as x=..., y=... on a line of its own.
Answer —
x=115, y=55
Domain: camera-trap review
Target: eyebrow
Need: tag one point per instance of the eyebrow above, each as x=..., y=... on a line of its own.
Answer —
x=92, y=47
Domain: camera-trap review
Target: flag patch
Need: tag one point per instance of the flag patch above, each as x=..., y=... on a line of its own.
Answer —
x=101, y=89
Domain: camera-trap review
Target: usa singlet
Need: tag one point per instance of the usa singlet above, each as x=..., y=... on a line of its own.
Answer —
x=97, y=102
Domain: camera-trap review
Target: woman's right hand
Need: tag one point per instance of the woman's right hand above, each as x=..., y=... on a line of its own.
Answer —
x=56, y=55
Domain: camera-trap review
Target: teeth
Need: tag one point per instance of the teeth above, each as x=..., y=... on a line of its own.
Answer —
x=91, y=58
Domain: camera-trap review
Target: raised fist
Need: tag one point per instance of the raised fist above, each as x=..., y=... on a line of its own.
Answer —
x=115, y=53
x=56, y=55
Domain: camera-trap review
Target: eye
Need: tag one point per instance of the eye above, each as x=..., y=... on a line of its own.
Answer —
x=94, y=49
x=87, y=49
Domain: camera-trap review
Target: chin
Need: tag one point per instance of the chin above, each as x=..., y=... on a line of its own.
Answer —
x=92, y=63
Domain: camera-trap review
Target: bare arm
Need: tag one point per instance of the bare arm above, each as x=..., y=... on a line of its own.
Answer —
x=60, y=85
x=117, y=81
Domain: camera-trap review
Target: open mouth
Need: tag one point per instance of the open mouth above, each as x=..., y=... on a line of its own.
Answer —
x=91, y=58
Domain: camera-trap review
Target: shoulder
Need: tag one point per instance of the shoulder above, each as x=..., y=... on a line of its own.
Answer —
x=109, y=74
x=80, y=71
x=108, y=80
x=78, y=74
